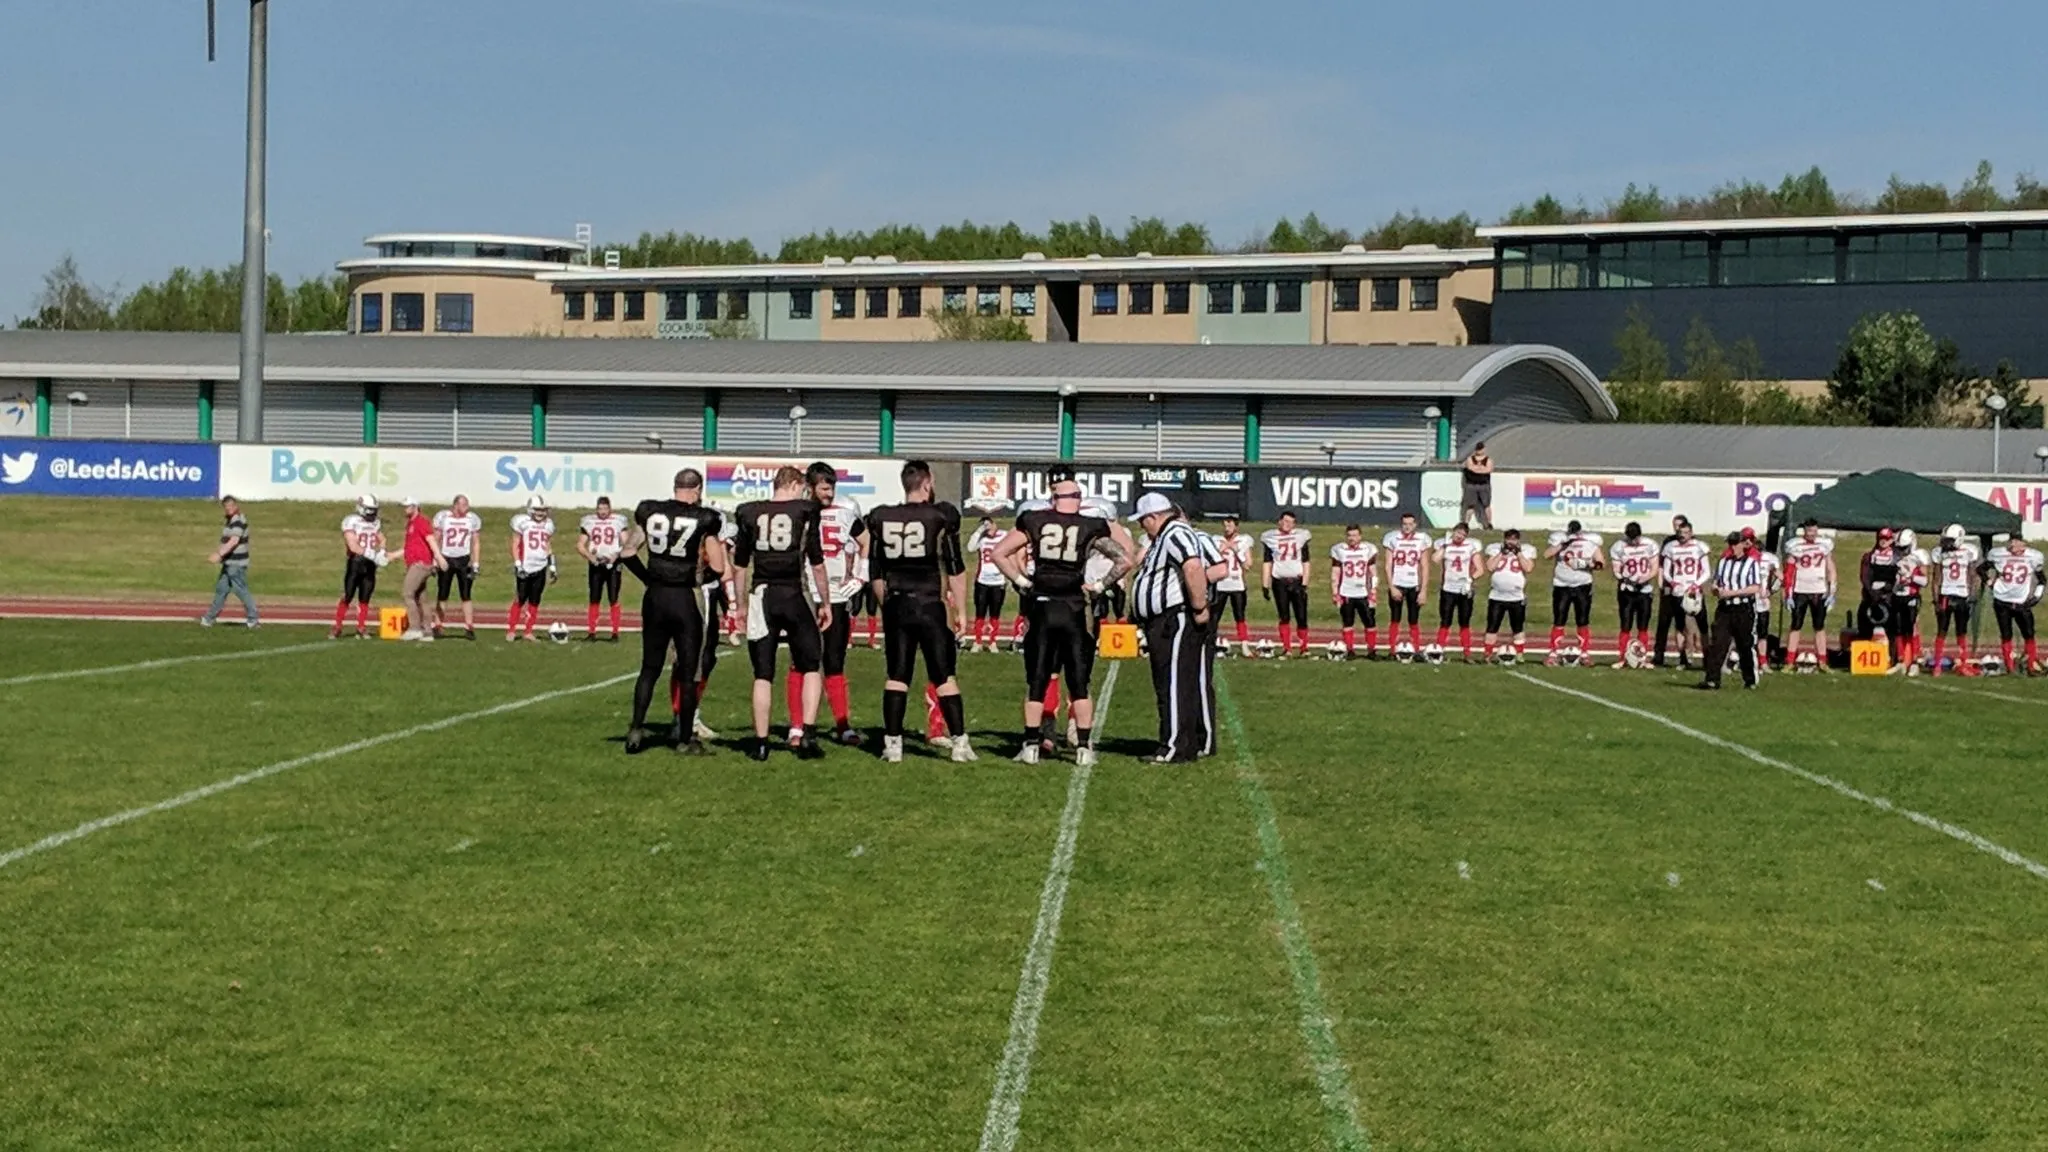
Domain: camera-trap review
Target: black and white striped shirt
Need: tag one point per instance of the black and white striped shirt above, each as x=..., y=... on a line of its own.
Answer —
x=1160, y=587
x=1744, y=571
x=236, y=529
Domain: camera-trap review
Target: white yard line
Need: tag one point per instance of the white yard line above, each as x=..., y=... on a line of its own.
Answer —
x=1318, y=1030
x=1013, y=1071
x=59, y=839
x=2033, y=867
x=151, y=665
x=1984, y=692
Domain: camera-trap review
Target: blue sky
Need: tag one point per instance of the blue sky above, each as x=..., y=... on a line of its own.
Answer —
x=770, y=117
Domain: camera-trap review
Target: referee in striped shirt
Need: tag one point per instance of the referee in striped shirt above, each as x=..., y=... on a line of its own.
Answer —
x=1738, y=592
x=1170, y=599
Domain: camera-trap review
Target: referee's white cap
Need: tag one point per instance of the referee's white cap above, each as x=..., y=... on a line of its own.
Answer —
x=1150, y=504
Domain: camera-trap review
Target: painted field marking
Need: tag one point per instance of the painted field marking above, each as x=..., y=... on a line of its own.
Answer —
x=2033, y=867
x=59, y=839
x=1013, y=1071
x=1984, y=692
x=1318, y=1030
x=150, y=665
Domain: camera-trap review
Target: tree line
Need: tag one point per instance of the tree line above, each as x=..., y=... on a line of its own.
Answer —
x=1892, y=373
x=208, y=300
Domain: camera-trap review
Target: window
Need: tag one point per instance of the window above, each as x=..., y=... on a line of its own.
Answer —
x=988, y=300
x=2021, y=254
x=1141, y=299
x=1222, y=296
x=1287, y=296
x=707, y=304
x=842, y=303
x=801, y=301
x=1255, y=295
x=454, y=312
x=738, y=304
x=1023, y=300
x=1105, y=299
x=1891, y=257
x=878, y=303
x=1545, y=267
x=1788, y=259
x=604, y=306
x=675, y=305
x=408, y=312
x=910, y=301
x=1653, y=264
x=1386, y=294
x=572, y=305
x=1343, y=295
x=1422, y=294
x=1176, y=297
x=953, y=299
x=371, y=318
x=636, y=305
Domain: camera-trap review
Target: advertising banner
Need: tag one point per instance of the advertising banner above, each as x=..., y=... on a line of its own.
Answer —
x=17, y=409
x=1606, y=503
x=996, y=489
x=2029, y=500
x=111, y=468
x=1332, y=495
x=730, y=481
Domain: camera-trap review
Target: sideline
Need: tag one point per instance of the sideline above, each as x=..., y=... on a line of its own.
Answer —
x=151, y=665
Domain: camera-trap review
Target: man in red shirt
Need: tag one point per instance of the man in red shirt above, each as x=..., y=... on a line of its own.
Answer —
x=422, y=557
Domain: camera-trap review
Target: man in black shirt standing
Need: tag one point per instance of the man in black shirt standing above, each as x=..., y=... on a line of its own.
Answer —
x=917, y=572
x=1058, y=639
x=782, y=556
x=681, y=537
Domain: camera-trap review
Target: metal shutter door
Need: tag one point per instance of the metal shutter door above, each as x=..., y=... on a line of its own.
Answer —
x=754, y=420
x=622, y=418
x=493, y=417
x=103, y=416
x=1524, y=393
x=313, y=413
x=978, y=426
x=1205, y=429
x=417, y=414
x=163, y=411
x=1365, y=433
x=1116, y=428
x=840, y=423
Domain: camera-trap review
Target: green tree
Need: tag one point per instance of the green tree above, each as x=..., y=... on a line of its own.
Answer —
x=68, y=302
x=1405, y=228
x=1711, y=395
x=1639, y=382
x=959, y=324
x=1638, y=206
x=2021, y=409
x=1894, y=373
x=1901, y=197
x=1807, y=194
x=1546, y=209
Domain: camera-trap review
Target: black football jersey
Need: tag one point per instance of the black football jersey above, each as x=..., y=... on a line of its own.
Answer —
x=675, y=539
x=915, y=547
x=1060, y=544
x=779, y=540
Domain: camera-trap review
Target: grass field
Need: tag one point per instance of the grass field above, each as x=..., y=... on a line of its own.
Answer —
x=432, y=905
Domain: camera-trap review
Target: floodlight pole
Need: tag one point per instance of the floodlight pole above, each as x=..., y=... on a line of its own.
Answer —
x=255, y=279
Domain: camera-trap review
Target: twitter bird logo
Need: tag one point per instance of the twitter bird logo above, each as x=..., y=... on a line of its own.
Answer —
x=17, y=469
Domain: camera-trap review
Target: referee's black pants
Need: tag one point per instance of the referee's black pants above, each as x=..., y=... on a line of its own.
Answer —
x=1734, y=624
x=1178, y=648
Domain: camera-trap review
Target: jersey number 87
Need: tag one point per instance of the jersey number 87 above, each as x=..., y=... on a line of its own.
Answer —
x=669, y=538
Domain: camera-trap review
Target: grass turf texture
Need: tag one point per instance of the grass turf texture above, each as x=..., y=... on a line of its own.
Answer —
x=508, y=934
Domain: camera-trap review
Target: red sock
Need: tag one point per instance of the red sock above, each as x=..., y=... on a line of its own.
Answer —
x=1350, y=640
x=1414, y=635
x=1556, y=638
x=615, y=619
x=1052, y=697
x=1940, y=643
x=1643, y=638
x=1443, y=635
x=934, y=720
x=1244, y=632
x=1586, y=641
x=835, y=692
x=1372, y=639
x=512, y=617
x=362, y=616
x=1286, y=635
x=793, y=695
x=871, y=631
x=591, y=625
x=2033, y=654
x=1963, y=649
x=1017, y=627
x=675, y=693
x=1465, y=640
x=340, y=614
x=1521, y=646
x=2006, y=649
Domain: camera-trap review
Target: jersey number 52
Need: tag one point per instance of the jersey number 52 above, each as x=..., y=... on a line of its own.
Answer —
x=903, y=541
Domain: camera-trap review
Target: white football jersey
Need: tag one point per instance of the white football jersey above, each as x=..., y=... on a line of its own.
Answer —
x=1287, y=552
x=1808, y=561
x=458, y=533
x=1913, y=572
x=1955, y=566
x=2017, y=571
x=1461, y=565
x=1575, y=561
x=1354, y=567
x=1405, y=554
x=983, y=544
x=839, y=526
x=1774, y=570
x=1511, y=579
x=1634, y=562
x=536, y=538
x=607, y=535
x=1685, y=565
x=363, y=530
x=1237, y=556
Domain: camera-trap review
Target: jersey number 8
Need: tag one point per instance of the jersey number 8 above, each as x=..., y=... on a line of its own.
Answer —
x=774, y=533
x=1059, y=543
x=903, y=541
x=669, y=538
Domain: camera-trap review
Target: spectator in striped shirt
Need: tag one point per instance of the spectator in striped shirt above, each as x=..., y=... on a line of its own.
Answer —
x=233, y=558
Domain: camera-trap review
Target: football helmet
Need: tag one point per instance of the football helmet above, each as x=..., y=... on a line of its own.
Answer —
x=1264, y=648
x=536, y=505
x=1570, y=656
x=558, y=632
x=1692, y=602
x=1990, y=664
x=1507, y=658
x=1335, y=650
x=1404, y=652
x=1953, y=534
x=1222, y=646
x=1433, y=654
x=1807, y=664
x=1636, y=656
x=366, y=506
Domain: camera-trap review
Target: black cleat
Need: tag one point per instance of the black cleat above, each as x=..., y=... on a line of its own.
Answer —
x=677, y=736
x=590, y=637
x=848, y=736
x=637, y=740
x=469, y=633
x=694, y=748
x=810, y=748
x=758, y=750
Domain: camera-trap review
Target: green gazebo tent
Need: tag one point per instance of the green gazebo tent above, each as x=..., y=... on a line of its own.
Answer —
x=1888, y=497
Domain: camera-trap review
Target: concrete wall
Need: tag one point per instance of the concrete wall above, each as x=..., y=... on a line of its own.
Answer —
x=504, y=305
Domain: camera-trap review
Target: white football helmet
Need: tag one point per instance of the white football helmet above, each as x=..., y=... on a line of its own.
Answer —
x=537, y=505
x=1953, y=534
x=1907, y=540
x=1433, y=654
x=366, y=506
x=1990, y=664
x=558, y=632
x=1570, y=655
x=1335, y=650
x=1636, y=656
x=1264, y=648
x=1506, y=658
x=1692, y=602
x=1404, y=652
x=1807, y=663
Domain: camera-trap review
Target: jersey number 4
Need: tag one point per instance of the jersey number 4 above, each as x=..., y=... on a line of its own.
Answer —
x=669, y=538
x=1059, y=543
x=903, y=541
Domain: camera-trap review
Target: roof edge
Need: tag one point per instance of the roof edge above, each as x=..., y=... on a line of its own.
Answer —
x=1574, y=370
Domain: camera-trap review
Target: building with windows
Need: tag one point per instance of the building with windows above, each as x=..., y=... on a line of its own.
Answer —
x=1794, y=286
x=1341, y=406
x=419, y=283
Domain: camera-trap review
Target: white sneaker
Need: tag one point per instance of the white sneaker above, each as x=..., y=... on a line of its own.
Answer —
x=1084, y=757
x=963, y=752
x=892, y=749
x=1027, y=754
x=410, y=634
x=702, y=730
x=426, y=637
x=206, y=621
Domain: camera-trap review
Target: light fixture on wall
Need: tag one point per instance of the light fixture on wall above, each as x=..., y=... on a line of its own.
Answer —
x=1996, y=404
x=797, y=412
x=73, y=401
x=1329, y=452
x=655, y=439
x=2041, y=457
